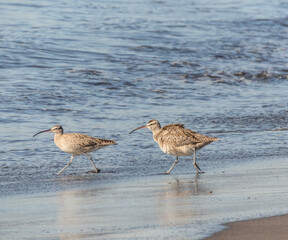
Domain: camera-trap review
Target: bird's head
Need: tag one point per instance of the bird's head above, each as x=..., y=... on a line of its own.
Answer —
x=153, y=125
x=56, y=129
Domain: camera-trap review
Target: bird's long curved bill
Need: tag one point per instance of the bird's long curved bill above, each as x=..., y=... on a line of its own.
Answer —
x=49, y=130
x=138, y=128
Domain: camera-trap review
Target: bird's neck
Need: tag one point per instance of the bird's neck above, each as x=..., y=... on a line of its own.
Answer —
x=156, y=131
x=57, y=137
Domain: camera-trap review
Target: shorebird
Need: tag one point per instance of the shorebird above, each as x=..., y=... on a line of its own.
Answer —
x=77, y=144
x=176, y=140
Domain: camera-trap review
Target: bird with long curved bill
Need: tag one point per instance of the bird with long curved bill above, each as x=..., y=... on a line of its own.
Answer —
x=77, y=144
x=176, y=140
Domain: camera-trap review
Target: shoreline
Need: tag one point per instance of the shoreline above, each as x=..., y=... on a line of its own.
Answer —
x=153, y=207
x=267, y=228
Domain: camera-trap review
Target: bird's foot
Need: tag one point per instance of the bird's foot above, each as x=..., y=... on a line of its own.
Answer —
x=198, y=169
x=94, y=171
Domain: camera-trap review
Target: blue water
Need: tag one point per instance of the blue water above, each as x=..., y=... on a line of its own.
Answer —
x=105, y=67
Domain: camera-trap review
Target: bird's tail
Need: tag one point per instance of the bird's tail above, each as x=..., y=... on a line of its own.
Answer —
x=107, y=142
x=212, y=139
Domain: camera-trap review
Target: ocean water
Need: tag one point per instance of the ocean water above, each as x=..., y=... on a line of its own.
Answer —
x=104, y=68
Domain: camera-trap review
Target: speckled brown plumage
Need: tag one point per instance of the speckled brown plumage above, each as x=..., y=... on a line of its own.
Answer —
x=176, y=140
x=77, y=143
x=179, y=137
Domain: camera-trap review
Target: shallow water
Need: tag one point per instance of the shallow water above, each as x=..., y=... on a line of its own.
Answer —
x=155, y=207
x=103, y=68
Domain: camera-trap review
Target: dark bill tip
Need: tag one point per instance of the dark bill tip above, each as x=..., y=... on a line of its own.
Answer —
x=138, y=128
x=49, y=130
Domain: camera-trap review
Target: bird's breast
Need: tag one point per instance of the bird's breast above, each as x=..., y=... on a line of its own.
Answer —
x=67, y=146
x=175, y=150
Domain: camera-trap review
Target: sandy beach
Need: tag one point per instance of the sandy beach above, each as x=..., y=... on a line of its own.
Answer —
x=155, y=207
x=275, y=228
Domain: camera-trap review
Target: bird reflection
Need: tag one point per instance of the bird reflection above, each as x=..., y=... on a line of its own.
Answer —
x=177, y=203
x=67, y=219
x=112, y=209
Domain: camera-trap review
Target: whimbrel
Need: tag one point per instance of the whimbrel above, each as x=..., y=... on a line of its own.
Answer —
x=77, y=144
x=176, y=140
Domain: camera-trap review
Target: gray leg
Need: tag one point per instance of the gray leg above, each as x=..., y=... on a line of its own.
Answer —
x=195, y=164
x=68, y=164
x=96, y=169
x=173, y=165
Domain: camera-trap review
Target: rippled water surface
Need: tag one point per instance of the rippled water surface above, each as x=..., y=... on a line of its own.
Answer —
x=105, y=67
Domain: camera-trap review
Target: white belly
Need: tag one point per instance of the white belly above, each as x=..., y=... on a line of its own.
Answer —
x=177, y=151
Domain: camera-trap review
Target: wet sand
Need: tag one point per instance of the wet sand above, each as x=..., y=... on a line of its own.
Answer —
x=275, y=228
x=153, y=207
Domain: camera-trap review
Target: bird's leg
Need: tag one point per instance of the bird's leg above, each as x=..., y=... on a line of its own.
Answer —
x=96, y=169
x=173, y=165
x=68, y=164
x=195, y=164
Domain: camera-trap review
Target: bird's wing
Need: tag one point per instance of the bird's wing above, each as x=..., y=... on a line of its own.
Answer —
x=177, y=135
x=83, y=141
